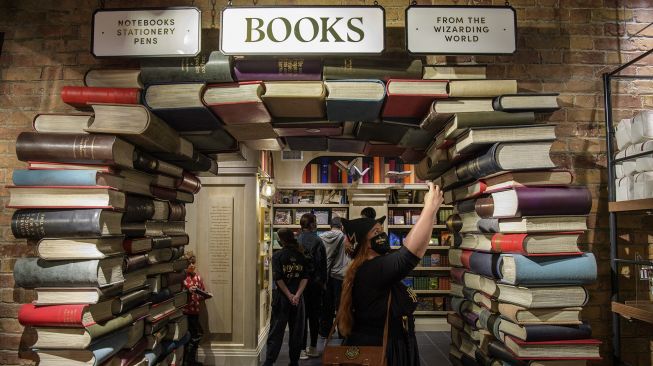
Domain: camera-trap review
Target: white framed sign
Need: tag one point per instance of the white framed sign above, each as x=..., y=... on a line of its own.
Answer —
x=147, y=32
x=302, y=30
x=461, y=30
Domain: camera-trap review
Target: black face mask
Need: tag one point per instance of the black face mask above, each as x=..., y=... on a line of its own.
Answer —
x=380, y=243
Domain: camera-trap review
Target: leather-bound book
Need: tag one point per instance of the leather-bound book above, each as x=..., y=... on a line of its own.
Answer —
x=412, y=98
x=181, y=106
x=277, y=69
x=238, y=103
x=35, y=272
x=40, y=223
x=188, y=183
x=354, y=100
x=210, y=65
x=83, y=96
x=74, y=148
x=134, y=262
x=390, y=66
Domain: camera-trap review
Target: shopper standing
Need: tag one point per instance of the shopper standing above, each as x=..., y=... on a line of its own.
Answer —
x=337, y=263
x=374, y=275
x=290, y=279
x=315, y=254
x=368, y=212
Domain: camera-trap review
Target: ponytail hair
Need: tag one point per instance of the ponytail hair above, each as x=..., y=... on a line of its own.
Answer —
x=345, y=313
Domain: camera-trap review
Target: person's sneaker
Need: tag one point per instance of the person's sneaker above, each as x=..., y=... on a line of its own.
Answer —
x=312, y=352
x=303, y=355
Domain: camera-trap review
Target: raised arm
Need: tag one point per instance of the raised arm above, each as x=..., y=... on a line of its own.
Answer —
x=419, y=236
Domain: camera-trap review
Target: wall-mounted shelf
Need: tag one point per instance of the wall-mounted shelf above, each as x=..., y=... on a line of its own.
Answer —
x=632, y=205
x=641, y=310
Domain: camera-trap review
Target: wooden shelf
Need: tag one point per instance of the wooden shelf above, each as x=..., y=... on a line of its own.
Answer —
x=432, y=269
x=632, y=205
x=411, y=226
x=432, y=292
x=297, y=226
x=310, y=205
x=642, y=310
x=432, y=312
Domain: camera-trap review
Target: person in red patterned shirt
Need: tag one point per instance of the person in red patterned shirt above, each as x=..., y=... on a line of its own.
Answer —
x=193, y=283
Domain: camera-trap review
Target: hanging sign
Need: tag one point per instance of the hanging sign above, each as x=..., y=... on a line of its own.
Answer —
x=470, y=30
x=302, y=30
x=152, y=32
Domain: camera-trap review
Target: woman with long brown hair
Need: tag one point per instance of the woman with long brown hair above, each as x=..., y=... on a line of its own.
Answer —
x=374, y=274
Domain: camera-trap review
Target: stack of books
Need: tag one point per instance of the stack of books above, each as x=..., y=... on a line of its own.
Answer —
x=104, y=199
x=634, y=175
x=518, y=278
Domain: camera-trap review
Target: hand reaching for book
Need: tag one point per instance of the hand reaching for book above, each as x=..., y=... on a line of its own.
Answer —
x=433, y=198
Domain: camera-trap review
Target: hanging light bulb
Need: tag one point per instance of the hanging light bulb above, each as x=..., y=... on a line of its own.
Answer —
x=268, y=189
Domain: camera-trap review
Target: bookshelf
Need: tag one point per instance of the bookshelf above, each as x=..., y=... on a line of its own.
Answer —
x=639, y=310
x=433, y=289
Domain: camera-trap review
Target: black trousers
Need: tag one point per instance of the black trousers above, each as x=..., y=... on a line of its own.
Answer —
x=196, y=332
x=313, y=299
x=284, y=313
x=330, y=305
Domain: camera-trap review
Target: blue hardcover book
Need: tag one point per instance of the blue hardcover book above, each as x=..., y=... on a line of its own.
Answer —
x=66, y=178
x=354, y=100
x=516, y=269
x=484, y=264
x=181, y=106
x=170, y=346
x=324, y=170
x=395, y=240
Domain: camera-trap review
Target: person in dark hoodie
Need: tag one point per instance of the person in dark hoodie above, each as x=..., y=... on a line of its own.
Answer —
x=337, y=263
x=315, y=254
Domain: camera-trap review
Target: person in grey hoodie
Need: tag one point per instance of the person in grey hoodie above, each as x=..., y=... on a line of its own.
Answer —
x=337, y=263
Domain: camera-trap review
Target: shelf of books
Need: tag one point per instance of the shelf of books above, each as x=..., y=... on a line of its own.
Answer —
x=430, y=279
x=264, y=262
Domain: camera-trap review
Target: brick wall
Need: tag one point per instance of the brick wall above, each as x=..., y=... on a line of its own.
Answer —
x=564, y=46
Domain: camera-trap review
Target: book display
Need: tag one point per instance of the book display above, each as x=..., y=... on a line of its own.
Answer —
x=134, y=134
x=105, y=202
x=515, y=224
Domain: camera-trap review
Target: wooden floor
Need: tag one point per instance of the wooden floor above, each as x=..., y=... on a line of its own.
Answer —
x=433, y=350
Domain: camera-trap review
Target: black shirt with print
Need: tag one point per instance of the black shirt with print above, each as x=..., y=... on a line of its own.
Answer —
x=373, y=282
x=289, y=265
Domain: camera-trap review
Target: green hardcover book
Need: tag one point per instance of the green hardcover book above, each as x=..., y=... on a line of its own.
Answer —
x=462, y=121
x=387, y=67
x=210, y=65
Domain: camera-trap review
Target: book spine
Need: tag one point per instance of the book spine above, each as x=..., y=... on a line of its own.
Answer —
x=486, y=164
x=51, y=315
x=278, y=69
x=34, y=272
x=188, y=183
x=324, y=170
x=315, y=173
x=544, y=332
x=89, y=149
x=205, y=67
x=161, y=242
x=80, y=96
x=177, y=211
x=55, y=177
x=484, y=264
x=508, y=243
x=377, y=169
x=568, y=270
x=134, y=262
x=138, y=208
x=488, y=225
x=537, y=201
x=37, y=224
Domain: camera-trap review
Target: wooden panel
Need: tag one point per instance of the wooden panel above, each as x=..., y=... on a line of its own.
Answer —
x=632, y=205
x=220, y=277
x=641, y=311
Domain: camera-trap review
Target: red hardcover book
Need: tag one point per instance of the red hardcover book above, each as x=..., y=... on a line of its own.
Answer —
x=334, y=174
x=406, y=101
x=75, y=316
x=82, y=96
x=465, y=257
x=577, y=349
x=232, y=107
x=366, y=177
x=516, y=243
x=307, y=171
